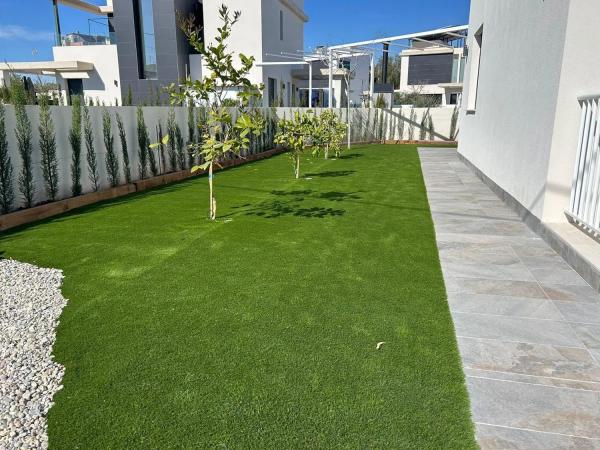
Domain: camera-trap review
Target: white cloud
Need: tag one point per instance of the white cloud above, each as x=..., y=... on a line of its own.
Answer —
x=17, y=32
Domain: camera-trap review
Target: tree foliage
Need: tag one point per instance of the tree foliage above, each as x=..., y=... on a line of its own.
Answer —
x=23, y=135
x=75, y=142
x=225, y=133
x=124, y=151
x=92, y=162
x=7, y=195
x=331, y=131
x=48, y=150
x=296, y=134
x=143, y=143
x=112, y=162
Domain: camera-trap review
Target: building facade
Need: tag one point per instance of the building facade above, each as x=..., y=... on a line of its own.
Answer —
x=529, y=118
x=145, y=50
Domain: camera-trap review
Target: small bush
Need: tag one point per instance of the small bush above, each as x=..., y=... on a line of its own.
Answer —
x=48, y=150
x=411, y=124
x=124, y=151
x=75, y=141
x=143, y=143
x=172, y=144
x=112, y=162
x=423, y=126
x=454, y=124
x=23, y=135
x=7, y=195
x=92, y=162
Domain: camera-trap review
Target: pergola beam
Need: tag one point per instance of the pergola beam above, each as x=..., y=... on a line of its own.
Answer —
x=403, y=37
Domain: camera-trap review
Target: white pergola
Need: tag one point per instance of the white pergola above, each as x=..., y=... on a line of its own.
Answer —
x=336, y=50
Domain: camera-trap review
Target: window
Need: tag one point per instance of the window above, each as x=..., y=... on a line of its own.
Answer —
x=475, y=55
x=145, y=40
x=344, y=64
x=281, y=25
x=453, y=99
x=272, y=91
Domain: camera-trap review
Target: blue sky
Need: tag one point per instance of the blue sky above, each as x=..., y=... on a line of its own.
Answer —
x=27, y=27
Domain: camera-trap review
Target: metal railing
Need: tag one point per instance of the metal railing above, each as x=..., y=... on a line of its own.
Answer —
x=584, y=208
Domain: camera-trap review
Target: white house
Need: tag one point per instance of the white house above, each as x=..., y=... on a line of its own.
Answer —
x=530, y=117
x=144, y=49
x=434, y=66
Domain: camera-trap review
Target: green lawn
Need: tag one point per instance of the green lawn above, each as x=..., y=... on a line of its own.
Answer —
x=259, y=330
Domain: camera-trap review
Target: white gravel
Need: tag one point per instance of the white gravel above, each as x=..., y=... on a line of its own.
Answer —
x=30, y=305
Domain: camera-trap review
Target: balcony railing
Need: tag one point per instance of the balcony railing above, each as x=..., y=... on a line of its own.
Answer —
x=79, y=39
x=584, y=208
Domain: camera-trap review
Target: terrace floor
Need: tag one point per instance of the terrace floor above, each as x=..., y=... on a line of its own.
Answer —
x=528, y=326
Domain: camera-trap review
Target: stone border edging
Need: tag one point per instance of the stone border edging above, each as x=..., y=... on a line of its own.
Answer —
x=29, y=215
x=585, y=268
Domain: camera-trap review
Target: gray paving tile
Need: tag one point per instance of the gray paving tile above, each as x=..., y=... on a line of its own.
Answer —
x=528, y=326
x=559, y=276
x=514, y=271
x=540, y=360
x=501, y=438
x=589, y=334
x=580, y=293
x=540, y=408
x=536, y=308
x=580, y=312
x=533, y=379
x=513, y=288
x=553, y=262
x=515, y=329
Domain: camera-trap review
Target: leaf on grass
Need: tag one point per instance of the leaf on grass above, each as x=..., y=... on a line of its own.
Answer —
x=379, y=345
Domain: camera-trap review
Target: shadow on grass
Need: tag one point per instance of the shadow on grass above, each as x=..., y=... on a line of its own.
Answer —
x=278, y=208
x=330, y=174
x=290, y=203
x=350, y=156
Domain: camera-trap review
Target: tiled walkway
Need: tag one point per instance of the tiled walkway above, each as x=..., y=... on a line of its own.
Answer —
x=528, y=326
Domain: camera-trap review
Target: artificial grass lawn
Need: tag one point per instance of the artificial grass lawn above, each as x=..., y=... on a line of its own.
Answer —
x=259, y=330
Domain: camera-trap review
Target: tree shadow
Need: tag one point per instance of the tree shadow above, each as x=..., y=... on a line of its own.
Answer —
x=278, y=208
x=350, y=156
x=330, y=174
x=338, y=196
x=290, y=203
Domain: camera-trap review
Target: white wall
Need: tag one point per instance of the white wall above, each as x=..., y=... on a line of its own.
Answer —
x=580, y=76
x=367, y=125
x=103, y=83
x=509, y=135
x=257, y=34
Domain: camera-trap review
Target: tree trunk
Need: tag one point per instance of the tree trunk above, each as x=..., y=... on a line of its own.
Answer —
x=212, y=201
x=297, y=166
x=326, y=151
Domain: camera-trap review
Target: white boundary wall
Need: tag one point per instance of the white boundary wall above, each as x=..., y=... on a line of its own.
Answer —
x=367, y=125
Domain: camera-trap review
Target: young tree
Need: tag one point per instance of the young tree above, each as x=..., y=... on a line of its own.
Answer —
x=430, y=128
x=48, y=150
x=112, y=162
x=191, y=133
x=92, y=163
x=179, y=145
x=143, y=143
x=332, y=130
x=400, y=125
x=423, y=125
x=224, y=133
x=411, y=124
x=295, y=135
x=75, y=141
x=7, y=195
x=453, y=124
x=124, y=152
x=172, y=143
x=23, y=135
